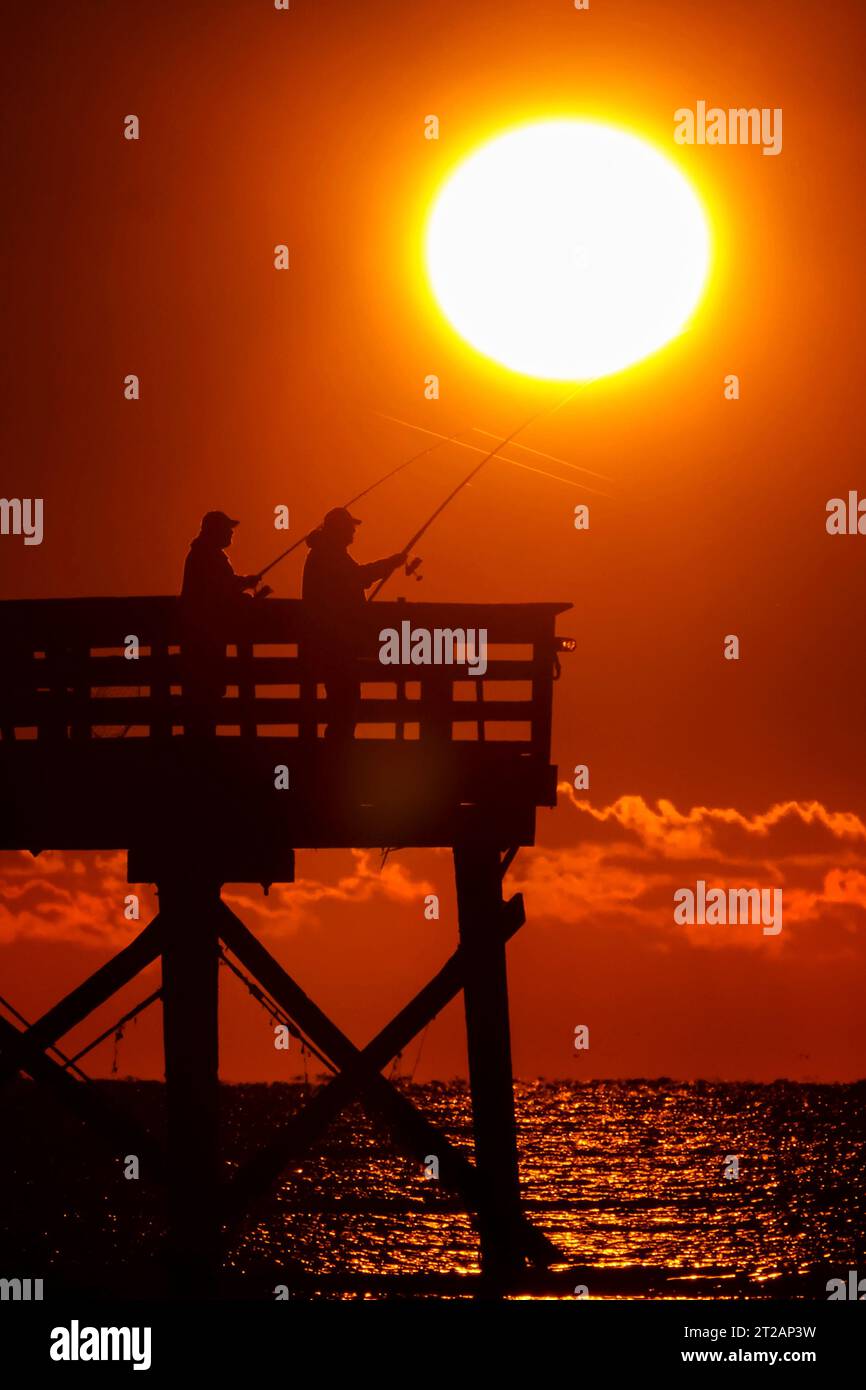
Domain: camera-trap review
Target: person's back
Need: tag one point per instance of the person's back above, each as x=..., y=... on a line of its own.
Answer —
x=211, y=598
x=333, y=584
x=210, y=590
x=333, y=591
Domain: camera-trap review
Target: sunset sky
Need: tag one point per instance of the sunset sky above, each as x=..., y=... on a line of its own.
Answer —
x=261, y=388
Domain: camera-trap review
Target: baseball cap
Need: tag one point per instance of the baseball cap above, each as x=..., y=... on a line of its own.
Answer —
x=340, y=514
x=217, y=518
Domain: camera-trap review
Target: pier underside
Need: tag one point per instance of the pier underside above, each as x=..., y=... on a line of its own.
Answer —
x=103, y=752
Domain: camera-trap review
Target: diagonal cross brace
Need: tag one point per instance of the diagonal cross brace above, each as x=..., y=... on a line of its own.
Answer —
x=359, y=1071
x=81, y=1001
x=300, y=1133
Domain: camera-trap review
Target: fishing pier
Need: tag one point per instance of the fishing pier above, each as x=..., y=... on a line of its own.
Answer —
x=98, y=753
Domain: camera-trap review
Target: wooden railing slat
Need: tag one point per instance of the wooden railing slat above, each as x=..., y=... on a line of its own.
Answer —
x=54, y=692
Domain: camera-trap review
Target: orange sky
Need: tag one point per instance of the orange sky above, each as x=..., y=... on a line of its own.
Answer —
x=260, y=388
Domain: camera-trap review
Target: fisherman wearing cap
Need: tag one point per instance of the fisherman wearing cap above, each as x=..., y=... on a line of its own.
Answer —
x=334, y=588
x=208, y=577
x=211, y=598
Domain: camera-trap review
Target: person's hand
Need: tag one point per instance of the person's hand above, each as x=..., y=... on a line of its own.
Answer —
x=397, y=560
x=264, y=592
x=248, y=581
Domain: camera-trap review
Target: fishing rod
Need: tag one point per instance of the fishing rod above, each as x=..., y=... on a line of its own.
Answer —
x=358, y=495
x=468, y=479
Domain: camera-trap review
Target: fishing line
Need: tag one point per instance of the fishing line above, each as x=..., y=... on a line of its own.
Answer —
x=474, y=448
x=117, y=1029
x=576, y=467
x=527, y=448
x=546, y=410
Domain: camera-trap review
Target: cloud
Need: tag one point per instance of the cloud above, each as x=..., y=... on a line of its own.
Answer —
x=625, y=861
x=67, y=897
x=291, y=906
x=80, y=899
x=721, y=831
x=619, y=869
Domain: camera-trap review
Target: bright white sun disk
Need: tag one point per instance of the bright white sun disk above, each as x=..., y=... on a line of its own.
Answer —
x=567, y=249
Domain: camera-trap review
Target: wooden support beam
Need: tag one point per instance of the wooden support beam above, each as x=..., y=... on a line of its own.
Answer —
x=189, y=910
x=298, y=1135
x=85, y=998
x=123, y=1133
x=418, y=1134
x=485, y=993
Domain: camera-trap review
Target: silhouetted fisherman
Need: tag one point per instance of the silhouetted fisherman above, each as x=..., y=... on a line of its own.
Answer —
x=212, y=599
x=334, y=589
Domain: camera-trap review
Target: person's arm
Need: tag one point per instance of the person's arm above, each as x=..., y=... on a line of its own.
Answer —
x=228, y=587
x=380, y=569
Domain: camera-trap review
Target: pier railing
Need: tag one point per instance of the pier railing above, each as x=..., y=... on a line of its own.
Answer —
x=100, y=744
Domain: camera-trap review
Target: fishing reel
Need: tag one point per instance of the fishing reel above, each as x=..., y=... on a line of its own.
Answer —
x=412, y=566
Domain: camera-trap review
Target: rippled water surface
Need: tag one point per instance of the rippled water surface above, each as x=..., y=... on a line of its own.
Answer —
x=627, y=1178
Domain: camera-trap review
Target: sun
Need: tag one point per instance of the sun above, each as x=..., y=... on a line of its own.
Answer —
x=567, y=249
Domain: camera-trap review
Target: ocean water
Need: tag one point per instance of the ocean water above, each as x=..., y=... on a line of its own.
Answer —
x=627, y=1178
